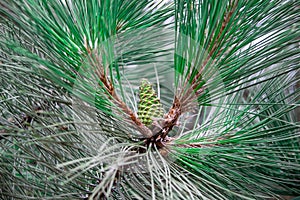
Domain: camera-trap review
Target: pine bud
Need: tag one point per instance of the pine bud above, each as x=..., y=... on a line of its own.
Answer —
x=149, y=106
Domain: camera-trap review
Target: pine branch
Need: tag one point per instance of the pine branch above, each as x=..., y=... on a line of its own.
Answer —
x=185, y=99
x=109, y=89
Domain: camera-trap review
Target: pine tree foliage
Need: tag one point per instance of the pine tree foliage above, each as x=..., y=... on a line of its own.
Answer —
x=218, y=117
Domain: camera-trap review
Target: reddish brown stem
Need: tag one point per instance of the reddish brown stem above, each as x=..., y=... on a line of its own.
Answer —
x=183, y=101
x=171, y=118
x=113, y=96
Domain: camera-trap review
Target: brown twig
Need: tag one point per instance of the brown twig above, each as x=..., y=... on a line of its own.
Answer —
x=185, y=100
x=225, y=22
x=108, y=86
x=171, y=118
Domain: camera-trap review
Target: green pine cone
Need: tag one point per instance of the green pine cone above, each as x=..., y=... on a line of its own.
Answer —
x=149, y=106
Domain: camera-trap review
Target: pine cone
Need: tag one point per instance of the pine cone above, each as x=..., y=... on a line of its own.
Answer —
x=149, y=106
